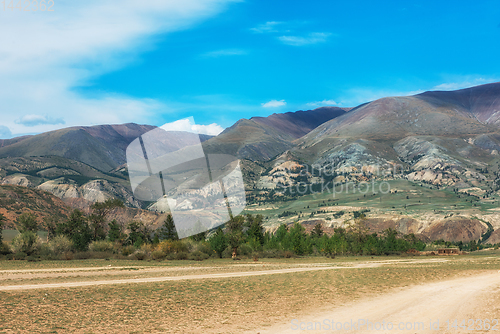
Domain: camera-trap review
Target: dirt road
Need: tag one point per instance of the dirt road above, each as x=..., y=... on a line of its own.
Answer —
x=93, y=271
x=412, y=310
x=160, y=279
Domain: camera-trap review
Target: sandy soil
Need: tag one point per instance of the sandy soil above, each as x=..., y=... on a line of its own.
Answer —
x=161, y=279
x=94, y=271
x=475, y=297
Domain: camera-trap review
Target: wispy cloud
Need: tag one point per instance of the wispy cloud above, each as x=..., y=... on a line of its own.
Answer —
x=274, y=104
x=225, y=52
x=356, y=96
x=323, y=103
x=187, y=124
x=465, y=82
x=5, y=132
x=73, y=45
x=310, y=39
x=34, y=120
x=270, y=26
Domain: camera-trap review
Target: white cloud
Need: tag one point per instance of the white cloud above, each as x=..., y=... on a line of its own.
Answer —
x=211, y=129
x=33, y=120
x=322, y=103
x=46, y=55
x=312, y=38
x=225, y=52
x=274, y=104
x=187, y=124
x=465, y=82
x=356, y=96
x=267, y=27
x=5, y=132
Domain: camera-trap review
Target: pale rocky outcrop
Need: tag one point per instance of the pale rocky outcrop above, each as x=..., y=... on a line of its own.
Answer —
x=93, y=191
x=17, y=180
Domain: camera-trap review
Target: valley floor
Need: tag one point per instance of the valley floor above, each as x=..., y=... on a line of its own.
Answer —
x=224, y=296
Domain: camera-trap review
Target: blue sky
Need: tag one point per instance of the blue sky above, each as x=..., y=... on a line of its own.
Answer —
x=152, y=62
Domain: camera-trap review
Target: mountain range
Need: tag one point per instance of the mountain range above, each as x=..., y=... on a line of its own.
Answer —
x=444, y=140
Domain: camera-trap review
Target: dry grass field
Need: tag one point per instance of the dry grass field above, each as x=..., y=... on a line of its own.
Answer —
x=211, y=302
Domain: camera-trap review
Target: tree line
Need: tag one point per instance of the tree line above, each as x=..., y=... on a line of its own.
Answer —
x=243, y=235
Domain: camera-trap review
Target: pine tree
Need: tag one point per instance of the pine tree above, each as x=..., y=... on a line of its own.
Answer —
x=255, y=230
x=168, y=231
x=317, y=231
x=115, y=231
x=2, y=219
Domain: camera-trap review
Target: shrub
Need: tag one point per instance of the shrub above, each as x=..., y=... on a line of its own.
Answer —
x=46, y=252
x=33, y=258
x=198, y=256
x=60, y=244
x=20, y=256
x=288, y=254
x=173, y=246
x=271, y=254
x=4, y=248
x=102, y=246
x=178, y=256
x=26, y=242
x=127, y=250
x=245, y=249
x=139, y=254
x=158, y=255
x=254, y=244
x=204, y=247
x=100, y=255
x=79, y=255
x=228, y=252
x=147, y=248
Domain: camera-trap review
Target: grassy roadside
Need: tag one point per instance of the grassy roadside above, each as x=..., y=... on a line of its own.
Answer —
x=224, y=305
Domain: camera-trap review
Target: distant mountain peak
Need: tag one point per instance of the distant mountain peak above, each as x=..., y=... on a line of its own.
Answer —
x=298, y=123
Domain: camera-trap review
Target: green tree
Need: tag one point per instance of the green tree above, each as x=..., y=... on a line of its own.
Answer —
x=77, y=229
x=2, y=223
x=98, y=216
x=390, y=241
x=317, y=231
x=51, y=224
x=115, y=231
x=281, y=232
x=297, y=241
x=218, y=242
x=168, y=231
x=255, y=230
x=199, y=236
x=26, y=242
x=234, y=232
x=138, y=235
x=27, y=222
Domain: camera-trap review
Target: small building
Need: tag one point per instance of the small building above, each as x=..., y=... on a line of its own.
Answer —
x=448, y=251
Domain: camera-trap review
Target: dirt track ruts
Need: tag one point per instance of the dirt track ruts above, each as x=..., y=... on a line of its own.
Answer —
x=461, y=299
